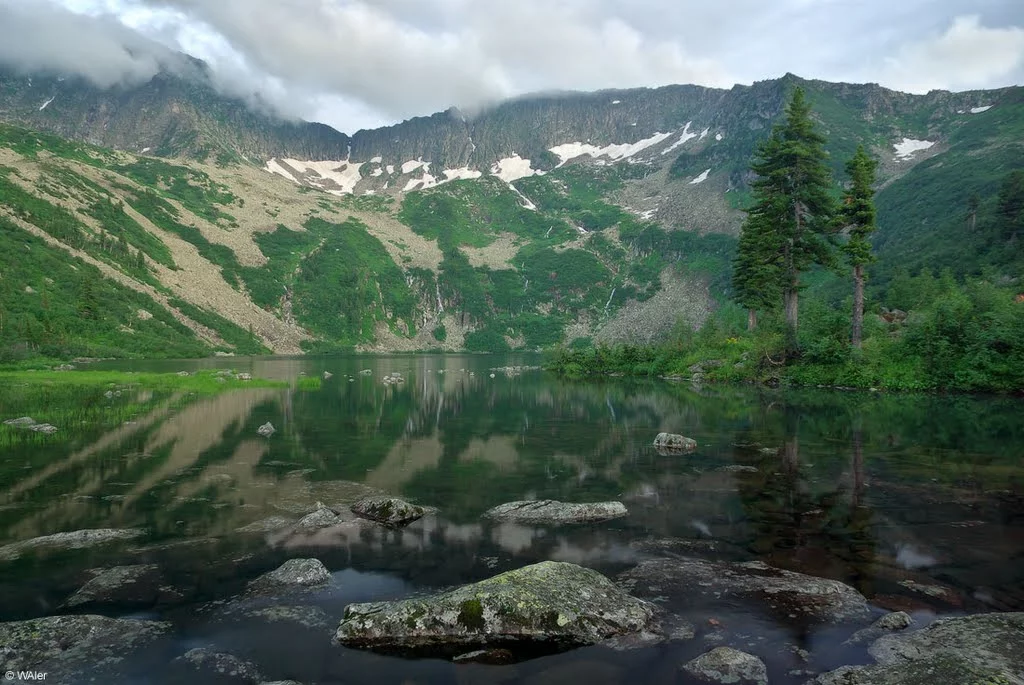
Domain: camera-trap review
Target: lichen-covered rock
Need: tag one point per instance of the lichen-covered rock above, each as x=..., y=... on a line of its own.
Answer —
x=323, y=517
x=221, y=665
x=389, y=510
x=984, y=649
x=674, y=442
x=67, y=646
x=890, y=623
x=788, y=596
x=552, y=511
x=294, y=574
x=549, y=606
x=74, y=540
x=137, y=585
x=727, y=665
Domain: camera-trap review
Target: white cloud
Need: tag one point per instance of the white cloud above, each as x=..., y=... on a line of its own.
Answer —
x=967, y=55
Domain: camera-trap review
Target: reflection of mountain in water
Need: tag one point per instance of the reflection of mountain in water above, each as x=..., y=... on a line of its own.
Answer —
x=890, y=494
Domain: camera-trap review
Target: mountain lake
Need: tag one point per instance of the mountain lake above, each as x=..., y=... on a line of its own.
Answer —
x=917, y=502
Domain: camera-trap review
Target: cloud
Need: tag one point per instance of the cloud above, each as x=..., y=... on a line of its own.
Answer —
x=365, y=63
x=39, y=36
x=966, y=56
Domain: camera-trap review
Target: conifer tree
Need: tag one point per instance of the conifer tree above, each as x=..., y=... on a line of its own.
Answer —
x=791, y=214
x=858, y=215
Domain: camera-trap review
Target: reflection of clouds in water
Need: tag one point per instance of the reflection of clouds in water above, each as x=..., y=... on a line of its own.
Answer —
x=910, y=557
x=604, y=553
x=702, y=528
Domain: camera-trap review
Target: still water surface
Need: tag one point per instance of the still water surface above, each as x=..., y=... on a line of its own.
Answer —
x=918, y=502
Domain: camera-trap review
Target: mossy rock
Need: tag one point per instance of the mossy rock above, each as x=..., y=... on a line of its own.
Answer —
x=548, y=606
x=389, y=510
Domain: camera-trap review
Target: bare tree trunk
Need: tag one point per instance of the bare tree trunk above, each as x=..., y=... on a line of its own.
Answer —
x=858, y=305
x=751, y=319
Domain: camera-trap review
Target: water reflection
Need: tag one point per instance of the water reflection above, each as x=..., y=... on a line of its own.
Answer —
x=915, y=501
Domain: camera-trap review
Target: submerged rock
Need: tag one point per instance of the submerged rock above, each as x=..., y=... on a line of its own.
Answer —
x=266, y=525
x=221, y=665
x=971, y=650
x=66, y=646
x=389, y=510
x=727, y=665
x=552, y=511
x=121, y=585
x=673, y=442
x=78, y=539
x=23, y=422
x=291, y=575
x=548, y=606
x=323, y=517
x=788, y=595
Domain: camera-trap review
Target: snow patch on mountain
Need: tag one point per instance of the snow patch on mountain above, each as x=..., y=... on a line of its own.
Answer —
x=615, y=151
x=616, y=102
x=718, y=136
x=514, y=168
x=376, y=160
x=461, y=173
x=700, y=179
x=338, y=178
x=390, y=169
x=906, y=148
x=426, y=181
x=979, y=110
x=414, y=164
x=47, y=103
x=682, y=139
x=275, y=168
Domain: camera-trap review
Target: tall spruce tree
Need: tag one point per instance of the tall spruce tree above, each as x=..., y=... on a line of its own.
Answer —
x=793, y=210
x=858, y=215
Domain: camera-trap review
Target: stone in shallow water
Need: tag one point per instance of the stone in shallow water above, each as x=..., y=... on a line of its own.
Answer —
x=66, y=646
x=389, y=510
x=970, y=650
x=727, y=665
x=674, y=442
x=549, y=606
x=266, y=430
x=788, y=595
x=137, y=585
x=291, y=575
x=78, y=539
x=552, y=511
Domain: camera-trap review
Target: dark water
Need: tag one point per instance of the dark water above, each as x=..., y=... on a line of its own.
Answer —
x=916, y=502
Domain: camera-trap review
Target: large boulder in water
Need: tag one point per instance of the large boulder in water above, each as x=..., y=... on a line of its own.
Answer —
x=552, y=511
x=970, y=650
x=68, y=647
x=548, y=606
x=789, y=596
x=387, y=510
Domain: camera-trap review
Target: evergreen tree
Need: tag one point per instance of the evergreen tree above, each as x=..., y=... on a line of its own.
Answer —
x=792, y=210
x=1010, y=207
x=858, y=214
x=757, y=267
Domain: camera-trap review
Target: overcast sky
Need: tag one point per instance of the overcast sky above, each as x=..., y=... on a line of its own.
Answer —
x=365, y=63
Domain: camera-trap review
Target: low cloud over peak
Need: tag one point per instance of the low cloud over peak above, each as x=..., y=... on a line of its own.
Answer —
x=364, y=63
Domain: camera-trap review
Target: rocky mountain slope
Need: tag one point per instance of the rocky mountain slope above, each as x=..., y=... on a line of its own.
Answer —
x=546, y=219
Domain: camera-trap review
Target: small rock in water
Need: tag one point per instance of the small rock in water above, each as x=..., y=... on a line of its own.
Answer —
x=122, y=585
x=183, y=374
x=323, y=517
x=266, y=430
x=327, y=374
x=24, y=421
x=389, y=510
x=292, y=574
x=552, y=511
x=244, y=376
x=673, y=442
x=366, y=372
x=727, y=665
x=78, y=539
x=890, y=623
